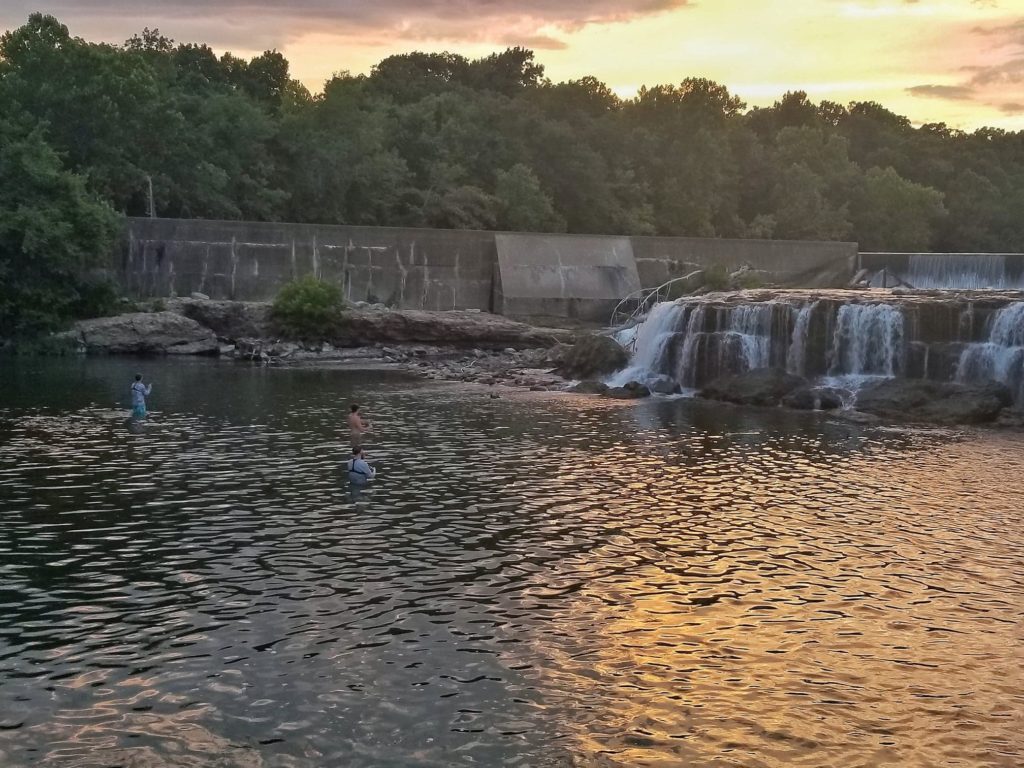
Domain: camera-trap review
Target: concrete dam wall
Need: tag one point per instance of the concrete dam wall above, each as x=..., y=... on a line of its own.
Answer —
x=953, y=271
x=581, y=276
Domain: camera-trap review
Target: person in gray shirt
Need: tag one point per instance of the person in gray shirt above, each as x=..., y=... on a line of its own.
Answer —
x=360, y=473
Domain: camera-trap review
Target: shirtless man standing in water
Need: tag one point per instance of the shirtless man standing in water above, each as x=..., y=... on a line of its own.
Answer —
x=357, y=427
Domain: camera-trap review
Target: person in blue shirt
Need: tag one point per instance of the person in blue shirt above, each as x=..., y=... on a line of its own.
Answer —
x=140, y=392
x=360, y=473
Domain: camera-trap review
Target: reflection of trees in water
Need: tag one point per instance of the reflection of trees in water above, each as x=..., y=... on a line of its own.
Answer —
x=523, y=529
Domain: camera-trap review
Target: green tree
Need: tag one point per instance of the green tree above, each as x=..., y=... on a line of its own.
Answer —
x=891, y=213
x=52, y=231
x=523, y=203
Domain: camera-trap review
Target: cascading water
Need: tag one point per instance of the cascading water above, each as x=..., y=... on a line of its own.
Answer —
x=967, y=271
x=868, y=341
x=796, y=355
x=650, y=344
x=1001, y=358
x=751, y=326
x=686, y=373
x=824, y=335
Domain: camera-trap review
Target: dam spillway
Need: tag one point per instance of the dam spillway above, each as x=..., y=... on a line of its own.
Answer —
x=847, y=336
x=945, y=271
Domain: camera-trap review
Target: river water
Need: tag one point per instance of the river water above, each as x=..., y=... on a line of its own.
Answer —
x=535, y=580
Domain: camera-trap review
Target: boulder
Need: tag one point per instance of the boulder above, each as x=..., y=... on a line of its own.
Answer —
x=933, y=401
x=815, y=399
x=763, y=386
x=147, y=332
x=591, y=387
x=633, y=390
x=592, y=356
x=664, y=385
x=227, y=319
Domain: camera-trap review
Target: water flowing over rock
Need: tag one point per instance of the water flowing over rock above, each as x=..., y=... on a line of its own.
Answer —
x=963, y=271
x=836, y=338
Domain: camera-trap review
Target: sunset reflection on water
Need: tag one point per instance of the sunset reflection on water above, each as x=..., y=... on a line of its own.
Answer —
x=539, y=580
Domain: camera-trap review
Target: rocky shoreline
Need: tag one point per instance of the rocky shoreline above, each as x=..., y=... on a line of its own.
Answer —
x=463, y=346
x=480, y=348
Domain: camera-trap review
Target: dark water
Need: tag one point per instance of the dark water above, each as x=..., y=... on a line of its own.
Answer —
x=537, y=580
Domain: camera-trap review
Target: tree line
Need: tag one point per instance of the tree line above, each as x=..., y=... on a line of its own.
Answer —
x=90, y=131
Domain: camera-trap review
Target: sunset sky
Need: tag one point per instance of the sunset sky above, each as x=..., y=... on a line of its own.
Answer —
x=954, y=61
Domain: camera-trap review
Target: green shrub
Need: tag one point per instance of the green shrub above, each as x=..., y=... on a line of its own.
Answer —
x=716, y=278
x=308, y=309
x=750, y=280
x=58, y=345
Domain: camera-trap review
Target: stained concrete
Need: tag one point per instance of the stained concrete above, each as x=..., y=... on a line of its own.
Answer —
x=581, y=276
x=794, y=263
x=409, y=268
x=573, y=276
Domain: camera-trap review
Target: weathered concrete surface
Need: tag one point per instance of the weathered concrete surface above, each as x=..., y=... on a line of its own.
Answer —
x=563, y=275
x=250, y=261
x=791, y=263
x=580, y=276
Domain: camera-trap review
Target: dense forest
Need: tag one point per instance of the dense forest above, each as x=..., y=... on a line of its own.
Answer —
x=89, y=131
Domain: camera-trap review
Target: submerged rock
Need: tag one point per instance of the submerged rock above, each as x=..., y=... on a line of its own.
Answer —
x=815, y=398
x=763, y=386
x=664, y=385
x=147, y=332
x=633, y=390
x=857, y=417
x=592, y=356
x=933, y=401
x=591, y=387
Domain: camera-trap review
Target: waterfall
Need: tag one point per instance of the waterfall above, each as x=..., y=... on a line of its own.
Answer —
x=960, y=271
x=686, y=373
x=751, y=325
x=651, y=344
x=1001, y=357
x=823, y=335
x=868, y=340
x=796, y=356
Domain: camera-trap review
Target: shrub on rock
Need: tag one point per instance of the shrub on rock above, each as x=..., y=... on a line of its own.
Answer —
x=308, y=309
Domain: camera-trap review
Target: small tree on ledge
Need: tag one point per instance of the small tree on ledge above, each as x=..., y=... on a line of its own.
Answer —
x=308, y=309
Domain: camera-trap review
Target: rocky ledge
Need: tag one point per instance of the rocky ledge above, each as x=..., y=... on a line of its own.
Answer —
x=456, y=345
x=191, y=326
x=901, y=399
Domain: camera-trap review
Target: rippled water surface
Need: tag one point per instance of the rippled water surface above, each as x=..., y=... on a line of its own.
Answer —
x=536, y=580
